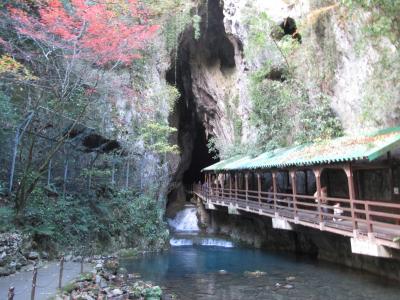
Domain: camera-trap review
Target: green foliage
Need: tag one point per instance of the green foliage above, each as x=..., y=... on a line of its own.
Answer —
x=155, y=136
x=283, y=113
x=166, y=92
x=8, y=114
x=317, y=121
x=175, y=24
x=95, y=172
x=381, y=90
x=153, y=293
x=127, y=253
x=196, y=20
x=384, y=18
x=135, y=220
x=381, y=101
x=6, y=219
x=265, y=36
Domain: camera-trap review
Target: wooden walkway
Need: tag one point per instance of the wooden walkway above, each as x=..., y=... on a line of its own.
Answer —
x=374, y=220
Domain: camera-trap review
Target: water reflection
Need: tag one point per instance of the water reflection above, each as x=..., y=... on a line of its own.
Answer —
x=193, y=272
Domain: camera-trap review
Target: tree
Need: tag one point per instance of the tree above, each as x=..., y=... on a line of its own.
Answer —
x=68, y=48
x=102, y=32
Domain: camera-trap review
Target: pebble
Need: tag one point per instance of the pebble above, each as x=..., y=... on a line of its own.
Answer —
x=116, y=292
x=288, y=286
x=99, y=266
x=290, y=278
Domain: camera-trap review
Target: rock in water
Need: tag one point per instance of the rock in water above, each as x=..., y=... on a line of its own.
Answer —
x=255, y=273
x=290, y=278
x=288, y=286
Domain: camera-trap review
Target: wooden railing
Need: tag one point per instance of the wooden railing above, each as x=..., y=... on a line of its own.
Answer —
x=373, y=218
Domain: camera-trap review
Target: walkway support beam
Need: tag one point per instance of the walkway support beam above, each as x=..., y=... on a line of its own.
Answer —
x=259, y=188
x=352, y=196
x=230, y=186
x=236, y=186
x=294, y=191
x=246, y=178
x=317, y=173
x=274, y=187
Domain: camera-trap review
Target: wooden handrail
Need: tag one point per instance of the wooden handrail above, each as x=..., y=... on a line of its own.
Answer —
x=365, y=213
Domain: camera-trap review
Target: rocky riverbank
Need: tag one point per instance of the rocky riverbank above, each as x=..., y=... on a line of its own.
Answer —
x=110, y=281
x=16, y=253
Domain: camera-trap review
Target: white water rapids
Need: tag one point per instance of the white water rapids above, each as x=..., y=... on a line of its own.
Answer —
x=185, y=220
x=185, y=225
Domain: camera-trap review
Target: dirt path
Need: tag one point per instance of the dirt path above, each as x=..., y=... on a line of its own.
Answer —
x=47, y=281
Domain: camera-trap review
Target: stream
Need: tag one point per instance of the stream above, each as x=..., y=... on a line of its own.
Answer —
x=207, y=267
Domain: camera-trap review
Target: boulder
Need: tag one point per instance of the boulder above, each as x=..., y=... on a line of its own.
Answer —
x=7, y=270
x=68, y=257
x=116, y=292
x=44, y=255
x=33, y=255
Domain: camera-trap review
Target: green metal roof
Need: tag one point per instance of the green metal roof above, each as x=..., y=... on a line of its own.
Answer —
x=344, y=149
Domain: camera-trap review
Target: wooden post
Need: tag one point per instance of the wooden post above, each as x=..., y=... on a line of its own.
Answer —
x=306, y=181
x=82, y=265
x=230, y=186
x=222, y=185
x=259, y=188
x=352, y=196
x=317, y=173
x=274, y=186
x=209, y=185
x=246, y=178
x=61, y=272
x=11, y=293
x=294, y=191
x=367, y=216
x=236, y=186
x=34, y=283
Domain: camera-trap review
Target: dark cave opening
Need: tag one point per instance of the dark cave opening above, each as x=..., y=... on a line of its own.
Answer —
x=191, y=117
x=287, y=27
x=201, y=157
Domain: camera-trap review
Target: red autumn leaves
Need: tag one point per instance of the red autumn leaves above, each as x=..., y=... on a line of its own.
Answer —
x=101, y=32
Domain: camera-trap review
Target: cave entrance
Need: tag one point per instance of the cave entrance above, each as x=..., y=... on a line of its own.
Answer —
x=201, y=157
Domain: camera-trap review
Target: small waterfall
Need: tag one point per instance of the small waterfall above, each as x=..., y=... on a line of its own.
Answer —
x=180, y=242
x=216, y=243
x=185, y=220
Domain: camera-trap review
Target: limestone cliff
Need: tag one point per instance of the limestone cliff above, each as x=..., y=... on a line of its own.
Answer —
x=333, y=59
x=317, y=75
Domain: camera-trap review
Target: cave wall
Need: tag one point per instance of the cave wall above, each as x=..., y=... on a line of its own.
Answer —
x=328, y=61
x=213, y=72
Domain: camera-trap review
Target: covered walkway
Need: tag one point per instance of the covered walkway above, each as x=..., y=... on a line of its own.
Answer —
x=348, y=186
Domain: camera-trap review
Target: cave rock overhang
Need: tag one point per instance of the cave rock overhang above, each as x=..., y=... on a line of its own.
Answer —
x=90, y=141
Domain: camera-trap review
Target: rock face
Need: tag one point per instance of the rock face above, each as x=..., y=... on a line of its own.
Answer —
x=258, y=232
x=334, y=59
x=11, y=258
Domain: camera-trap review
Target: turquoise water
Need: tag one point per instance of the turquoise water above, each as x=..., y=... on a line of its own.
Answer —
x=194, y=272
